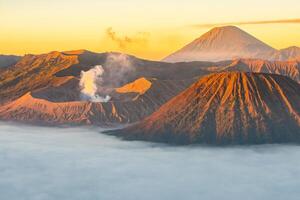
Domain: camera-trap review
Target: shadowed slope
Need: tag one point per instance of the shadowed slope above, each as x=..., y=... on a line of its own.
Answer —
x=8, y=60
x=226, y=108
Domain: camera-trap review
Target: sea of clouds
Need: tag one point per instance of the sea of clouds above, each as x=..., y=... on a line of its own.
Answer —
x=43, y=163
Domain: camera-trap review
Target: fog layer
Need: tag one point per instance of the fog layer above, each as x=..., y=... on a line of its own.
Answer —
x=81, y=163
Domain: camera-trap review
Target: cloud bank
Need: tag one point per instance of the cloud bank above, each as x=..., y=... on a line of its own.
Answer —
x=281, y=21
x=80, y=163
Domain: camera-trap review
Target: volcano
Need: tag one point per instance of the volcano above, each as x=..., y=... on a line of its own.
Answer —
x=34, y=72
x=222, y=43
x=60, y=105
x=226, y=108
x=227, y=43
x=45, y=88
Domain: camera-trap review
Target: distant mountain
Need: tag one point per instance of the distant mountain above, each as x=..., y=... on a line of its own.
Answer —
x=227, y=43
x=290, y=53
x=226, y=108
x=286, y=68
x=8, y=60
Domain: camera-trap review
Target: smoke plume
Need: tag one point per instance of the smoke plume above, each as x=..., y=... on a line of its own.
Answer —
x=120, y=69
x=97, y=83
x=123, y=42
x=89, y=84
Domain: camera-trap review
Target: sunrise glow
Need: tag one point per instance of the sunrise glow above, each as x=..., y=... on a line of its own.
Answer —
x=149, y=29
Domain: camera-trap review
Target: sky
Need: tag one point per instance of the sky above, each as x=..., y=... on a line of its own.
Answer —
x=148, y=29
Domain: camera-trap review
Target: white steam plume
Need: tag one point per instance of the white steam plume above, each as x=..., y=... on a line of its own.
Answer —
x=89, y=83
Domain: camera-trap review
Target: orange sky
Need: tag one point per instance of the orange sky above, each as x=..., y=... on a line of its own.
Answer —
x=148, y=29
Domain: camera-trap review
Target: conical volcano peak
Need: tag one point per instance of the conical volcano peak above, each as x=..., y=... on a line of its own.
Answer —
x=226, y=108
x=231, y=35
x=224, y=30
x=223, y=43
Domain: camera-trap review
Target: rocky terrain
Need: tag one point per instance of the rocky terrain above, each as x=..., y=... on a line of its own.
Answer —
x=286, y=68
x=34, y=72
x=226, y=108
x=61, y=105
x=45, y=88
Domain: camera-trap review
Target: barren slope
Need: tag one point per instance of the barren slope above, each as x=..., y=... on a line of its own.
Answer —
x=60, y=105
x=34, y=72
x=286, y=68
x=8, y=60
x=226, y=108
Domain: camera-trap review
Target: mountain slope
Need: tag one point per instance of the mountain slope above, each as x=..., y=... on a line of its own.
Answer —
x=60, y=105
x=139, y=86
x=8, y=60
x=286, y=68
x=222, y=43
x=34, y=72
x=290, y=53
x=226, y=108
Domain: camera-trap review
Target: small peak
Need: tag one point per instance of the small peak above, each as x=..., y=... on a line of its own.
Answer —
x=228, y=27
x=225, y=28
x=74, y=52
x=54, y=53
x=293, y=47
x=230, y=76
x=140, y=86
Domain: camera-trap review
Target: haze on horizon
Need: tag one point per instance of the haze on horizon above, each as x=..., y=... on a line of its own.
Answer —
x=148, y=29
